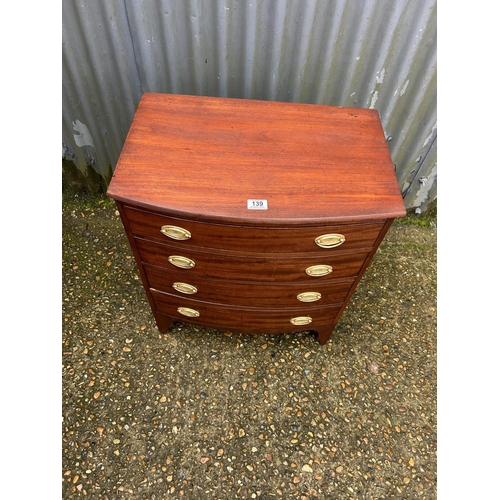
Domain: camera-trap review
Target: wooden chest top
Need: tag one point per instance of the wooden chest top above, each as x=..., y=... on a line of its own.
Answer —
x=205, y=157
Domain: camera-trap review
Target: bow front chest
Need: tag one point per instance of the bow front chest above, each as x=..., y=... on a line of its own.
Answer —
x=253, y=216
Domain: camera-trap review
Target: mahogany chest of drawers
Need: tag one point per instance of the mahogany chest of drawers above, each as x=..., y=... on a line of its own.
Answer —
x=253, y=216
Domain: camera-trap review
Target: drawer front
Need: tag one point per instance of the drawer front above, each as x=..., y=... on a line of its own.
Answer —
x=258, y=320
x=189, y=234
x=270, y=268
x=241, y=293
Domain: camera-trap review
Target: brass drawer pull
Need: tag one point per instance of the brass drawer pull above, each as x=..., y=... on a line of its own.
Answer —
x=186, y=311
x=309, y=296
x=175, y=232
x=330, y=240
x=301, y=320
x=182, y=262
x=184, y=288
x=319, y=270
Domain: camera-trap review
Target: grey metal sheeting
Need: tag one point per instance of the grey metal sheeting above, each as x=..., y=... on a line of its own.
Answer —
x=376, y=54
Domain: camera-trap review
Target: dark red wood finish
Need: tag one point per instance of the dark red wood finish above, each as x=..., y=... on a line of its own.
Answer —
x=244, y=293
x=248, y=319
x=290, y=267
x=205, y=156
x=193, y=162
x=251, y=239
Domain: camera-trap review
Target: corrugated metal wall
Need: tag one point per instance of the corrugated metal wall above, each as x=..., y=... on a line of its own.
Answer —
x=364, y=53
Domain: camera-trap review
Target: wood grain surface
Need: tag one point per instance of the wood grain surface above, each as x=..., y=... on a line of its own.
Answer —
x=206, y=156
x=271, y=267
x=244, y=319
x=252, y=239
x=245, y=293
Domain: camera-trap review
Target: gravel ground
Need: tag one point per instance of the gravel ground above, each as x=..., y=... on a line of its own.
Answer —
x=205, y=414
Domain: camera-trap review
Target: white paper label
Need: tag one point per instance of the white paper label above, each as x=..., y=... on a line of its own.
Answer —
x=257, y=204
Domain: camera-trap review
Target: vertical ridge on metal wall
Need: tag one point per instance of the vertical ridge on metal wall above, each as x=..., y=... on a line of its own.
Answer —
x=100, y=84
x=376, y=54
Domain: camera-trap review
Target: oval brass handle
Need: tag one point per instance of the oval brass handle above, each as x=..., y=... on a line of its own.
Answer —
x=182, y=262
x=330, y=240
x=319, y=270
x=309, y=296
x=184, y=288
x=186, y=311
x=301, y=320
x=175, y=232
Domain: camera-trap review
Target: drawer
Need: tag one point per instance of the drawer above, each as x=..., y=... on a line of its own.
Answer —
x=243, y=293
x=258, y=320
x=264, y=268
x=250, y=239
